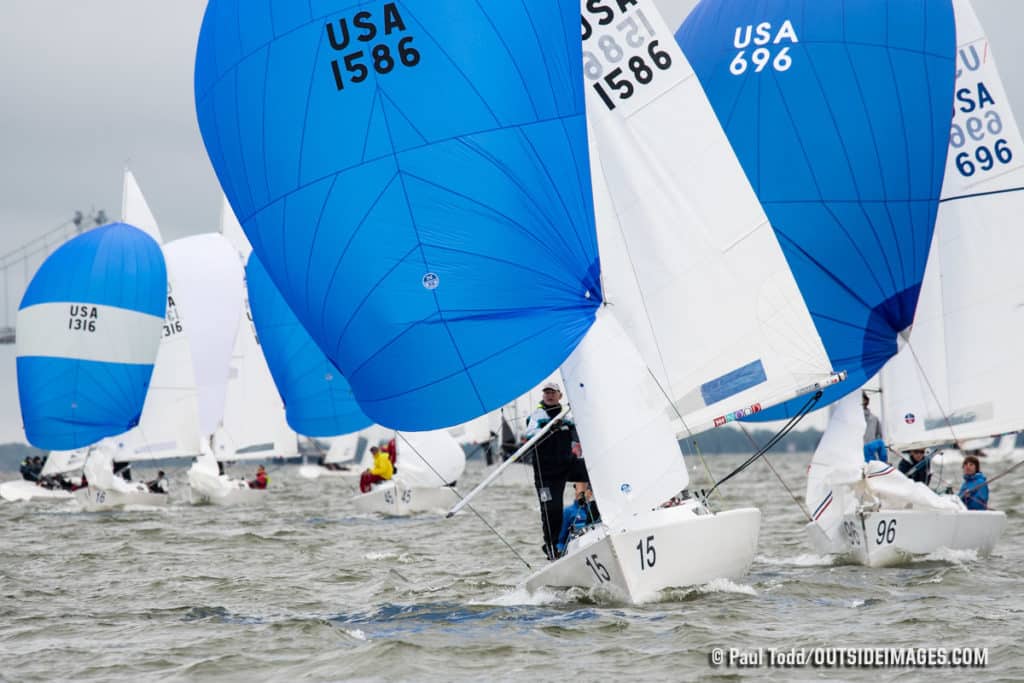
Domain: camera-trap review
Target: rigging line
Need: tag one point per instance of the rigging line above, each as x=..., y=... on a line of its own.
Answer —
x=675, y=409
x=931, y=390
x=456, y=491
x=786, y=429
x=980, y=194
x=800, y=503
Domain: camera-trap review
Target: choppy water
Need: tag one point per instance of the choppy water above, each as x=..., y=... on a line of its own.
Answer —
x=304, y=588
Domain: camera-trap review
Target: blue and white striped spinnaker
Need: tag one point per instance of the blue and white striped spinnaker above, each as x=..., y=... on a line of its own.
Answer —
x=840, y=116
x=414, y=176
x=89, y=327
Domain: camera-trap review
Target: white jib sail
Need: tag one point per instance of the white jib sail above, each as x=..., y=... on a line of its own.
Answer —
x=690, y=263
x=837, y=466
x=629, y=444
x=957, y=378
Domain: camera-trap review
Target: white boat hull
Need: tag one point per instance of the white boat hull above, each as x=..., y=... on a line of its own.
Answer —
x=350, y=474
x=665, y=548
x=397, y=500
x=21, y=489
x=890, y=537
x=94, y=499
x=236, y=495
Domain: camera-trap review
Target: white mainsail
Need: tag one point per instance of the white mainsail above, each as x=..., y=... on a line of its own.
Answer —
x=169, y=425
x=956, y=379
x=428, y=459
x=254, y=425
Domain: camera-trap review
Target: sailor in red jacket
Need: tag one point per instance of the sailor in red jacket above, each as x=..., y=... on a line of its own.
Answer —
x=260, y=482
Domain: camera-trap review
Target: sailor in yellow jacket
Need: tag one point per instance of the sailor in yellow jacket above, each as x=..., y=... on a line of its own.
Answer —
x=382, y=470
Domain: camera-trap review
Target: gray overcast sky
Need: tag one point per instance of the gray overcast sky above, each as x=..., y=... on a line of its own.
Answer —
x=88, y=86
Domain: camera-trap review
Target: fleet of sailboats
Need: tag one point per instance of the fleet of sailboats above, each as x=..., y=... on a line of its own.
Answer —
x=744, y=217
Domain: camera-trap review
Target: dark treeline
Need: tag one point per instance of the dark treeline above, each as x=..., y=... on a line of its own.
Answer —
x=11, y=455
x=721, y=441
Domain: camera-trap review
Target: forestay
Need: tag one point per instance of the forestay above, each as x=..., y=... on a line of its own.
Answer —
x=958, y=377
x=838, y=114
x=317, y=399
x=88, y=332
x=414, y=176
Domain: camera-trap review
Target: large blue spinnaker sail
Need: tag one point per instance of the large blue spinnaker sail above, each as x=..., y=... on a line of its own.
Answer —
x=89, y=327
x=317, y=399
x=840, y=116
x=414, y=176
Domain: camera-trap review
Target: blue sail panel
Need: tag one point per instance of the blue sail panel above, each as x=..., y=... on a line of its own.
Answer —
x=317, y=399
x=89, y=327
x=415, y=177
x=839, y=116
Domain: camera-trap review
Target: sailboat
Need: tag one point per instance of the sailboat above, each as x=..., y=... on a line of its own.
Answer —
x=949, y=383
x=449, y=252
x=57, y=463
x=88, y=332
x=168, y=426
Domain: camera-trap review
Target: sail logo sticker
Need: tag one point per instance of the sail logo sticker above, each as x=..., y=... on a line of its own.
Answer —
x=359, y=31
x=82, y=318
x=626, y=488
x=768, y=47
x=977, y=139
x=431, y=281
x=622, y=51
x=909, y=418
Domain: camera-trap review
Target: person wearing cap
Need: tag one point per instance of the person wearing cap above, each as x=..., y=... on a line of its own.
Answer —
x=916, y=466
x=260, y=482
x=557, y=459
x=158, y=485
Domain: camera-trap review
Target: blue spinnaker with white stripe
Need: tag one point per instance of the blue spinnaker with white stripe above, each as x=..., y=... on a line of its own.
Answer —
x=840, y=116
x=89, y=326
x=317, y=399
x=414, y=176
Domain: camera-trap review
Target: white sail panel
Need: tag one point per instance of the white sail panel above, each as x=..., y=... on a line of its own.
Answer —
x=431, y=458
x=134, y=209
x=690, y=263
x=957, y=377
x=232, y=230
x=620, y=413
x=836, y=466
x=208, y=281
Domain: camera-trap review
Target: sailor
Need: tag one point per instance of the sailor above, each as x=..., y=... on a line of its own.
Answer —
x=558, y=459
x=158, y=485
x=578, y=516
x=381, y=470
x=261, y=480
x=916, y=466
x=974, y=490
x=874, y=446
x=27, y=472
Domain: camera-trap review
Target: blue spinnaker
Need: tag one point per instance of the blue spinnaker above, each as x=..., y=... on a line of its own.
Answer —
x=414, y=176
x=88, y=329
x=839, y=113
x=317, y=399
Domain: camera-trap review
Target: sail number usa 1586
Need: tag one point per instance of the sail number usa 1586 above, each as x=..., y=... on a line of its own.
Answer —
x=622, y=52
x=362, y=38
